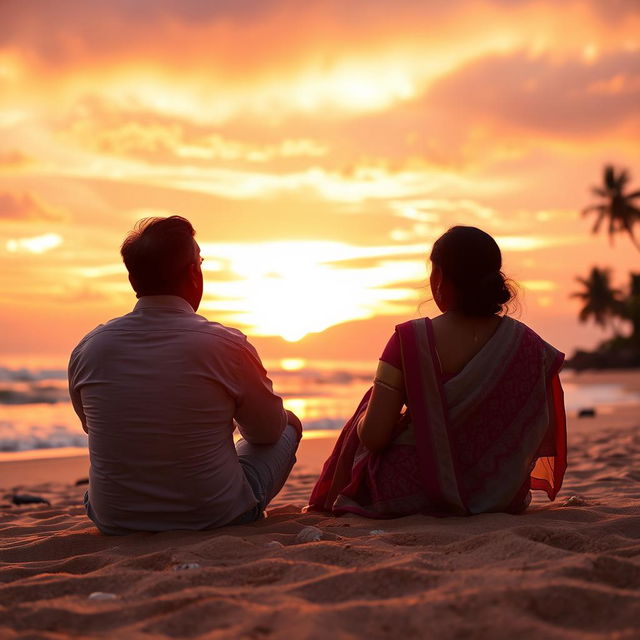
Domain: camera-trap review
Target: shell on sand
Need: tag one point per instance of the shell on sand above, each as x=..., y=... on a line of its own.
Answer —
x=308, y=534
x=101, y=595
x=186, y=566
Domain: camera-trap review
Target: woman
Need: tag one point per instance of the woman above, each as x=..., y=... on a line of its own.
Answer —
x=484, y=422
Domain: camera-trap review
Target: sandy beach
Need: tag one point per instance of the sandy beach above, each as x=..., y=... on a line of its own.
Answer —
x=568, y=569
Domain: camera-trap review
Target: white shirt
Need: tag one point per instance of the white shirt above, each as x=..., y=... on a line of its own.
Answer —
x=157, y=390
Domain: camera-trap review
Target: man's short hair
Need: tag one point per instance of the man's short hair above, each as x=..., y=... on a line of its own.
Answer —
x=157, y=253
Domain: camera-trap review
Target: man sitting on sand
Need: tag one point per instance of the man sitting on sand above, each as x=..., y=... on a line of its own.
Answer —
x=160, y=391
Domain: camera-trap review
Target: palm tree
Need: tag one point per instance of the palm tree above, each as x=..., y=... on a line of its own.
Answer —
x=600, y=300
x=617, y=206
x=632, y=307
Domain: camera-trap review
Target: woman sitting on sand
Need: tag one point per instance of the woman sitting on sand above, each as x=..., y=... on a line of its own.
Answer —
x=484, y=420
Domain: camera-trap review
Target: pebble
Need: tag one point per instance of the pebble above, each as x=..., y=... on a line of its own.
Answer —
x=309, y=534
x=377, y=532
x=25, y=498
x=100, y=595
x=186, y=566
x=274, y=544
x=575, y=501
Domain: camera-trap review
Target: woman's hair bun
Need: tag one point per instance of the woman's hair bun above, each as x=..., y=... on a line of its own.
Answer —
x=471, y=260
x=486, y=296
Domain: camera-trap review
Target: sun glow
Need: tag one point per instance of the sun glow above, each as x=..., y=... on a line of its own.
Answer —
x=291, y=289
x=292, y=364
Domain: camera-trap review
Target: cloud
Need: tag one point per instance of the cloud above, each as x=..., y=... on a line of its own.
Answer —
x=14, y=159
x=26, y=206
x=35, y=244
x=103, y=29
x=570, y=98
x=229, y=43
x=497, y=108
x=143, y=134
x=84, y=294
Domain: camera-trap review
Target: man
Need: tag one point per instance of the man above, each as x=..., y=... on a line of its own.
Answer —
x=160, y=390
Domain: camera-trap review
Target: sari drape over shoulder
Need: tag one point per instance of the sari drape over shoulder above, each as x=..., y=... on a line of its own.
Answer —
x=477, y=442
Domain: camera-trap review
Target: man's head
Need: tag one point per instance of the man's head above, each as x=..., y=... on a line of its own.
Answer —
x=163, y=258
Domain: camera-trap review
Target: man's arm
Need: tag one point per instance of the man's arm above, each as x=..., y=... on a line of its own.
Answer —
x=76, y=400
x=260, y=415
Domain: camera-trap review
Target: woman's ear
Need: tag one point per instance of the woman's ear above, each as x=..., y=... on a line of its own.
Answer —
x=441, y=289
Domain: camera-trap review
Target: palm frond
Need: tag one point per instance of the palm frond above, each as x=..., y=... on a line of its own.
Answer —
x=584, y=314
x=594, y=207
x=633, y=239
x=610, y=177
x=622, y=179
x=598, y=222
x=612, y=229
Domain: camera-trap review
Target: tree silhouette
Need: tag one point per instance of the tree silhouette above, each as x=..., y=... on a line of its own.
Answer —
x=617, y=206
x=601, y=301
x=632, y=307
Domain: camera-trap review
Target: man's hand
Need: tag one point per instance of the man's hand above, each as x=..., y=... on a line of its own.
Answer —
x=294, y=421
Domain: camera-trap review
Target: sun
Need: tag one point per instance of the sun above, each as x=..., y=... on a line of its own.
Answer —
x=293, y=289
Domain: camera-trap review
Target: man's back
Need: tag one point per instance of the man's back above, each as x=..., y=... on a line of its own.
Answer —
x=157, y=391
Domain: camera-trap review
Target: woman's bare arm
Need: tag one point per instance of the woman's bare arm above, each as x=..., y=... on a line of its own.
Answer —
x=387, y=399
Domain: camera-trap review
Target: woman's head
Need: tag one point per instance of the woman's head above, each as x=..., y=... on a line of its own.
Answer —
x=467, y=273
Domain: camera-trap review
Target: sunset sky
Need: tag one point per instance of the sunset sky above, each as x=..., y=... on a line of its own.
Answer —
x=319, y=148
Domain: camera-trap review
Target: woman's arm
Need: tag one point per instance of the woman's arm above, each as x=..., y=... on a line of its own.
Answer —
x=387, y=399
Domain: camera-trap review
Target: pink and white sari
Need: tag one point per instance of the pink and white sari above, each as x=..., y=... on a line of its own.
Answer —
x=478, y=442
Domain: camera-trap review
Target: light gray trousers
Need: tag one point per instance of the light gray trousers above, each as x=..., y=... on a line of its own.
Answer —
x=266, y=467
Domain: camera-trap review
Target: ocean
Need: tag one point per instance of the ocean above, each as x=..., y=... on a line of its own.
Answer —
x=36, y=414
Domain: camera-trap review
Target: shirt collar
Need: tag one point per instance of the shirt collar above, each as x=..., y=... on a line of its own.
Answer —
x=163, y=302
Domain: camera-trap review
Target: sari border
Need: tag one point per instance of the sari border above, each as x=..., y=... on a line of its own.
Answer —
x=429, y=415
x=462, y=494
x=419, y=418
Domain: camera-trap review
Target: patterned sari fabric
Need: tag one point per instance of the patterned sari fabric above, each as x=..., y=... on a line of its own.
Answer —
x=478, y=442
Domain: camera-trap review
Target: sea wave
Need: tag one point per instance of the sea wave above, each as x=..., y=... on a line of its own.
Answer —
x=23, y=374
x=39, y=437
x=35, y=411
x=24, y=386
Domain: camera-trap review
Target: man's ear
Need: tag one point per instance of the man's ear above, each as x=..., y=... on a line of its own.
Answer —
x=134, y=286
x=193, y=274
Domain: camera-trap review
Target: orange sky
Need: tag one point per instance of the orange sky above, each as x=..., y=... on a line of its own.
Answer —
x=319, y=148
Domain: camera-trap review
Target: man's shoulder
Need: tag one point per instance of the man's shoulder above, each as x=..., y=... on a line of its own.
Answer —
x=200, y=326
x=101, y=328
x=191, y=331
x=194, y=327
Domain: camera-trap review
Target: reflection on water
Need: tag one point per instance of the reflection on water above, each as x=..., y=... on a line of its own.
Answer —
x=35, y=412
x=603, y=395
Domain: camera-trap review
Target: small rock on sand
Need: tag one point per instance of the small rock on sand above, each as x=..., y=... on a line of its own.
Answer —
x=100, y=595
x=25, y=498
x=309, y=534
